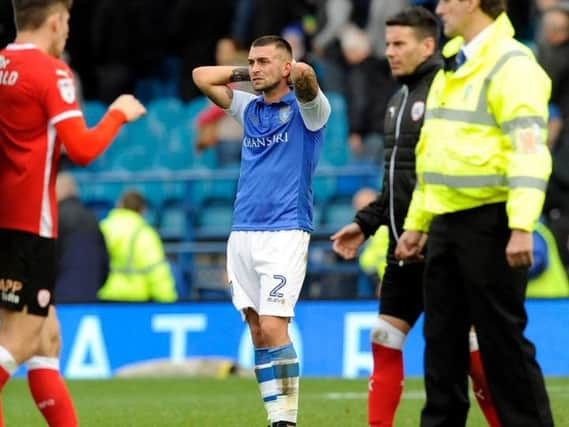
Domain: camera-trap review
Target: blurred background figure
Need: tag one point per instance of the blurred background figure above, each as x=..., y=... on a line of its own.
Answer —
x=369, y=87
x=294, y=35
x=333, y=18
x=83, y=261
x=139, y=269
x=553, y=55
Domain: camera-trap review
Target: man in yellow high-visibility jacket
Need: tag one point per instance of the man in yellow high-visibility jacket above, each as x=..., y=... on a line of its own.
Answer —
x=482, y=168
x=139, y=269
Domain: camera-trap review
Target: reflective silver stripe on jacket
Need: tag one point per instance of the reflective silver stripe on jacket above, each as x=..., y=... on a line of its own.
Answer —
x=480, y=116
x=480, y=181
x=129, y=268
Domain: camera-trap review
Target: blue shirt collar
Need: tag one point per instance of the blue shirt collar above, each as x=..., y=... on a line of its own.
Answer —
x=288, y=99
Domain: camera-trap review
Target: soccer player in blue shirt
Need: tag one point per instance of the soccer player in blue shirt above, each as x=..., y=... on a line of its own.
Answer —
x=272, y=218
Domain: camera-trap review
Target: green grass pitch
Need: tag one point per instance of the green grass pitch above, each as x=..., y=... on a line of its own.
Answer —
x=232, y=402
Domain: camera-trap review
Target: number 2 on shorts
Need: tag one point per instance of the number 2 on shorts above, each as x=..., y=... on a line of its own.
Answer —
x=275, y=291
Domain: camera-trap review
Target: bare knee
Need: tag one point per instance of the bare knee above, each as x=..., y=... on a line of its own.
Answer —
x=20, y=334
x=49, y=344
x=274, y=330
x=257, y=336
x=389, y=332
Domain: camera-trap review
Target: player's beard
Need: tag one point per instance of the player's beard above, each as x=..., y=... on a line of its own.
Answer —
x=268, y=87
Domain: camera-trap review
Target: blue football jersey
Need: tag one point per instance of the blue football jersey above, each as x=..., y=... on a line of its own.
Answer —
x=278, y=157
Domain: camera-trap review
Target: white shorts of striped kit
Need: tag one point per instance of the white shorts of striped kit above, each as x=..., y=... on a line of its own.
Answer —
x=266, y=270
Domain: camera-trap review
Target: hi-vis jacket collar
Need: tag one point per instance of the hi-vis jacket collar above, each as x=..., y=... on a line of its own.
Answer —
x=502, y=27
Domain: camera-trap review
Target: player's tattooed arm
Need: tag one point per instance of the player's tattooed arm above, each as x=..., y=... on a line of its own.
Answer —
x=304, y=81
x=240, y=74
x=213, y=82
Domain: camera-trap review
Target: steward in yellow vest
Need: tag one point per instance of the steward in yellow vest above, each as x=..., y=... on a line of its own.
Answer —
x=478, y=147
x=139, y=268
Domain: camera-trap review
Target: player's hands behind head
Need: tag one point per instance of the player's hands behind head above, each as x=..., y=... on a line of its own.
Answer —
x=130, y=106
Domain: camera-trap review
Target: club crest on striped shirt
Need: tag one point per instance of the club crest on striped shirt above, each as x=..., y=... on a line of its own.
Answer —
x=284, y=114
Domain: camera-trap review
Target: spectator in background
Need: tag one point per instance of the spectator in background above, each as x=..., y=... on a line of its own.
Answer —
x=369, y=87
x=294, y=35
x=553, y=55
x=139, y=269
x=83, y=261
x=333, y=18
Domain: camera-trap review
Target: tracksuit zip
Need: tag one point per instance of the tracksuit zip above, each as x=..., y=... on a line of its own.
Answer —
x=405, y=90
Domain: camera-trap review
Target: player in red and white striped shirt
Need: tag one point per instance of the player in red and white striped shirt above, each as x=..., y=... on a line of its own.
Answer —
x=39, y=113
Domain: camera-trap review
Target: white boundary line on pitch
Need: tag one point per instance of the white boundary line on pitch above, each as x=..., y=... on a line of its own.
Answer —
x=413, y=395
x=558, y=390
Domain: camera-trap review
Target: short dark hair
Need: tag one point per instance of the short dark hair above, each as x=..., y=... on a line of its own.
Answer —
x=278, y=41
x=420, y=19
x=493, y=8
x=31, y=14
x=132, y=200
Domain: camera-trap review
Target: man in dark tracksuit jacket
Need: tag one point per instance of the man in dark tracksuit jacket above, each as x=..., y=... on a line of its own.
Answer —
x=83, y=261
x=411, y=51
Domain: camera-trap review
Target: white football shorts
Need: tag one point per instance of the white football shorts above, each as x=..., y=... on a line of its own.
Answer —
x=266, y=270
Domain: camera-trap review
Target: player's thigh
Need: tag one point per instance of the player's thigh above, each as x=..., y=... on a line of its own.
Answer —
x=243, y=280
x=280, y=260
x=27, y=279
x=27, y=272
x=20, y=333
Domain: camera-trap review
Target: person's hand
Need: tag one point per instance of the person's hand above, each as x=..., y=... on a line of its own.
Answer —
x=410, y=245
x=519, y=251
x=348, y=240
x=129, y=106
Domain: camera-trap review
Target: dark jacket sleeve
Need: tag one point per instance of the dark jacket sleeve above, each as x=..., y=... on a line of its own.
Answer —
x=373, y=215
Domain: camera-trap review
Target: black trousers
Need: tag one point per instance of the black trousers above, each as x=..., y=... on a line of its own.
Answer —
x=468, y=282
